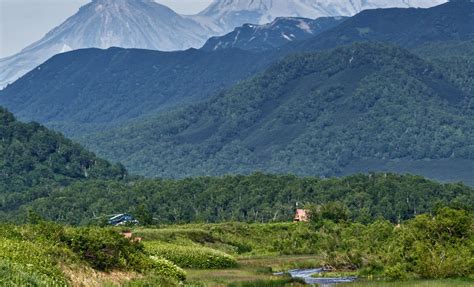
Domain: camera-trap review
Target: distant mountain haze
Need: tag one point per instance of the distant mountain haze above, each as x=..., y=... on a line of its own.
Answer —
x=149, y=25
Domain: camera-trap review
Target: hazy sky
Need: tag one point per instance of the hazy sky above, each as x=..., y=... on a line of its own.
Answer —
x=23, y=22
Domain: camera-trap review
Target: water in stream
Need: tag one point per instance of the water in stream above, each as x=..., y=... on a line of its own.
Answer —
x=305, y=274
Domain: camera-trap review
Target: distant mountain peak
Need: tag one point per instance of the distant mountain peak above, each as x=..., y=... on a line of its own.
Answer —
x=148, y=25
x=227, y=12
x=275, y=34
x=109, y=23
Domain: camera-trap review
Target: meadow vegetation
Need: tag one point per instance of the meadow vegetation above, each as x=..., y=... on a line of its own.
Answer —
x=429, y=246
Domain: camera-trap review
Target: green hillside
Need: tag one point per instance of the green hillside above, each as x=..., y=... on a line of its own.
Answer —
x=409, y=28
x=33, y=160
x=311, y=114
x=91, y=89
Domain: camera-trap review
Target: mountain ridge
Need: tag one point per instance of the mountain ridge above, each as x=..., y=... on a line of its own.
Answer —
x=281, y=121
x=148, y=25
x=275, y=34
x=228, y=13
x=105, y=92
x=104, y=24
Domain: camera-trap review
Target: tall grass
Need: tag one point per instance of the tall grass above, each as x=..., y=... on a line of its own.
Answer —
x=192, y=256
x=24, y=261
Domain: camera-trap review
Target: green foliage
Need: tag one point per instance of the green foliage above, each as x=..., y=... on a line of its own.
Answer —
x=104, y=249
x=35, y=160
x=356, y=108
x=439, y=246
x=117, y=85
x=31, y=255
x=192, y=256
x=254, y=198
x=143, y=215
x=168, y=269
x=427, y=246
x=23, y=262
x=335, y=211
x=12, y=274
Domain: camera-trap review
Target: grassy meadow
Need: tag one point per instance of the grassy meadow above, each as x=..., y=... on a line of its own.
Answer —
x=429, y=250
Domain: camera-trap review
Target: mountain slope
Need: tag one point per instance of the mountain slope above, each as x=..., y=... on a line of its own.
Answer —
x=87, y=89
x=34, y=159
x=148, y=25
x=310, y=115
x=83, y=91
x=109, y=23
x=233, y=13
x=275, y=34
x=409, y=28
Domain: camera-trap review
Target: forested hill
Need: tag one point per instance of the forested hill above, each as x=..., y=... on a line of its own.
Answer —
x=92, y=89
x=87, y=90
x=34, y=159
x=453, y=21
x=311, y=114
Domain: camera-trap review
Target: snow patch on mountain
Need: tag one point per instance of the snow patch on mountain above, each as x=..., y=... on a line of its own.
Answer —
x=109, y=23
x=149, y=25
x=228, y=14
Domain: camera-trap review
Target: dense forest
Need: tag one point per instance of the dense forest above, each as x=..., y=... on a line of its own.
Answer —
x=255, y=198
x=59, y=180
x=92, y=89
x=409, y=28
x=35, y=160
x=311, y=114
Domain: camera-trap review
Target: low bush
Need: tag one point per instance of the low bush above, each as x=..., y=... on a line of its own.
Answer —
x=12, y=274
x=23, y=262
x=105, y=249
x=192, y=256
x=173, y=234
x=168, y=269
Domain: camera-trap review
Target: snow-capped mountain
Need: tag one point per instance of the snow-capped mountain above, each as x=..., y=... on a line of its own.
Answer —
x=107, y=23
x=275, y=34
x=228, y=14
x=149, y=25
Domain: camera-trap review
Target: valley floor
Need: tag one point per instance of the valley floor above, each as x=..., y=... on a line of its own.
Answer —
x=237, y=254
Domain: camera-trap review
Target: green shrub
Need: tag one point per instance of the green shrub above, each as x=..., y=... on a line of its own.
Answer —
x=167, y=269
x=105, y=248
x=192, y=256
x=174, y=234
x=396, y=272
x=12, y=274
x=437, y=247
x=22, y=261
